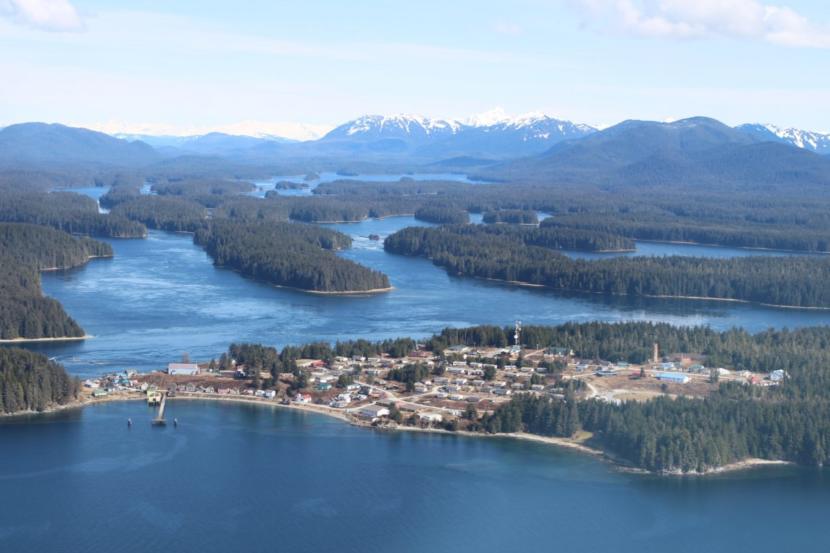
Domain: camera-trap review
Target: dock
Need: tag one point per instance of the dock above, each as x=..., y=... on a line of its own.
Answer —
x=159, y=420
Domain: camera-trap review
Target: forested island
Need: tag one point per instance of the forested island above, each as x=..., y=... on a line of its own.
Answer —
x=442, y=215
x=728, y=215
x=66, y=211
x=163, y=212
x=30, y=382
x=25, y=250
x=725, y=233
x=781, y=281
x=288, y=254
x=511, y=216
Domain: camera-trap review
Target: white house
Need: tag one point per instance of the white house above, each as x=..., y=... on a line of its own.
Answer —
x=182, y=369
x=374, y=412
x=430, y=417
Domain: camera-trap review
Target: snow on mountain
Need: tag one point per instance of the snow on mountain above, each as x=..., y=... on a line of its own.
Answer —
x=493, y=132
x=813, y=141
x=394, y=126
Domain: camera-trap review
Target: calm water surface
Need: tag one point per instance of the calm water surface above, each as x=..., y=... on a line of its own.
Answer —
x=246, y=478
x=250, y=479
x=162, y=296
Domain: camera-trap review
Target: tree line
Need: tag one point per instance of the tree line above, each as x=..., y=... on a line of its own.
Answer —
x=511, y=216
x=442, y=215
x=25, y=250
x=789, y=281
x=68, y=212
x=30, y=382
x=288, y=254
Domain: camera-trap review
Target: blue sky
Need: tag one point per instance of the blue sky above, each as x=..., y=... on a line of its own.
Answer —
x=299, y=67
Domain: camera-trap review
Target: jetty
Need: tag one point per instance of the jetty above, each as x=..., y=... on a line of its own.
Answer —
x=159, y=420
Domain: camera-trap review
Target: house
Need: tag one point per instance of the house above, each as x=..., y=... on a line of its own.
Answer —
x=323, y=387
x=302, y=398
x=373, y=412
x=182, y=369
x=777, y=375
x=673, y=377
x=430, y=417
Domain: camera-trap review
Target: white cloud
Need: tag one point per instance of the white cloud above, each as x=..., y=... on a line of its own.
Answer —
x=686, y=19
x=45, y=15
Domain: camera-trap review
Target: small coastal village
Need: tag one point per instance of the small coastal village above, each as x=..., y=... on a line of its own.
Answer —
x=449, y=391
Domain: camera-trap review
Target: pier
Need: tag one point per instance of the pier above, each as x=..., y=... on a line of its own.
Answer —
x=159, y=420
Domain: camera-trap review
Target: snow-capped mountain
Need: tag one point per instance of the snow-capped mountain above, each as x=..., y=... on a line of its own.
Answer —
x=493, y=134
x=808, y=140
x=371, y=127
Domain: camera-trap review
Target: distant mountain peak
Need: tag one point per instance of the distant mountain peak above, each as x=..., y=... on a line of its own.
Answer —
x=808, y=140
x=401, y=122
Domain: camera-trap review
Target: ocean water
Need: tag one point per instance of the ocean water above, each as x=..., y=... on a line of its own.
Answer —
x=250, y=478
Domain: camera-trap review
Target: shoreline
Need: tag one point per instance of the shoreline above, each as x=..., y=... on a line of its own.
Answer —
x=653, y=296
x=345, y=293
x=315, y=292
x=54, y=339
x=747, y=248
x=70, y=267
x=344, y=416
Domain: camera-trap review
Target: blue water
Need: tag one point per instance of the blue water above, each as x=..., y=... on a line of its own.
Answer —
x=253, y=478
x=250, y=479
x=94, y=192
x=162, y=296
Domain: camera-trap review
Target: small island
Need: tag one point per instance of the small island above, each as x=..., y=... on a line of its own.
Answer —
x=527, y=258
x=290, y=255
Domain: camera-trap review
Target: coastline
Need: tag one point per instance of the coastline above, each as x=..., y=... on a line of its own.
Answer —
x=344, y=416
x=654, y=296
x=344, y=293
x=69, y=267
x=54, y=339
x=748, y=248
x=306, y=291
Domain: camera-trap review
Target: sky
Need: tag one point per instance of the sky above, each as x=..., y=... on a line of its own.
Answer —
x=297, y=69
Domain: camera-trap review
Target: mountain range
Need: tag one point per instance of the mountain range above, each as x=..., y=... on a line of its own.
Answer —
x=531, y=146
x=47, y=144
x=698, y=151
x=809, y=140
